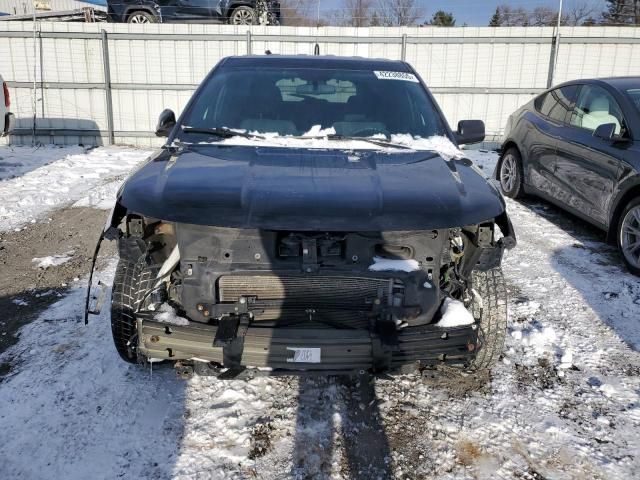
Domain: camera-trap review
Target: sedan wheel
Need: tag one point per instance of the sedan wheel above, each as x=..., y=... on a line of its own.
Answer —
x=510, y=173
x=629, y=236
x=243, y=16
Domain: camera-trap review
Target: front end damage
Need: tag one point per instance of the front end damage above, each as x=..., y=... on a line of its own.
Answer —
x=281, y=301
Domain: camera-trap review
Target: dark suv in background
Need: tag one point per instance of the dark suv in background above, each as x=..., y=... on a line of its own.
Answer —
x=234, y=12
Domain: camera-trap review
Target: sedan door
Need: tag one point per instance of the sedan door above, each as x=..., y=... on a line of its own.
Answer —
x=549, y=127
x=588, y=167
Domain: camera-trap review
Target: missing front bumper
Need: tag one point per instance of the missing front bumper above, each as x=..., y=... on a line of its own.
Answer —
x=339, y=350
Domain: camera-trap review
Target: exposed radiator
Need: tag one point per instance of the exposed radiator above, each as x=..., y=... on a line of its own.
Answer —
x=335, y=300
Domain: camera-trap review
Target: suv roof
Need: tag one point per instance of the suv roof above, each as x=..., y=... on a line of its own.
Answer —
x=319, y=61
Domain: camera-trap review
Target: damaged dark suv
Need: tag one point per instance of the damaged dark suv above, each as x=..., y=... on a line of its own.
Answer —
x=310, y=214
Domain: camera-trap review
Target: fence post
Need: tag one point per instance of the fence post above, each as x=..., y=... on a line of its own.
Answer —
x=248, y=42
x=41, y=72
x=552, y=59
x=107, y=87
x=403, y=51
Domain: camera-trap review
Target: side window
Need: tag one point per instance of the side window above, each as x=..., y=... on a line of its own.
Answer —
x=565, y=97
x=594, y=107
x=557, y=103
x=544, y=103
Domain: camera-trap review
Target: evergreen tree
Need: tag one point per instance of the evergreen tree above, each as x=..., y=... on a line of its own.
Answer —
x=442, y=19
x=622, y=12
x=496, y=20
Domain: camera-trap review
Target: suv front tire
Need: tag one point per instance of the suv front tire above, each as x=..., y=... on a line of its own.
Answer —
x=140, y=16
x=243, y=15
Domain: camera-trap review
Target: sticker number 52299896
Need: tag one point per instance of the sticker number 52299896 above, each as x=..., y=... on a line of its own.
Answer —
x=407, y=77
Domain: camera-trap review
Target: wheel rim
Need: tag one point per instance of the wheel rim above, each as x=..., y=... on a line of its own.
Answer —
x=508, y=173
x=243, y=17
x=630, y=236
x=139, y=19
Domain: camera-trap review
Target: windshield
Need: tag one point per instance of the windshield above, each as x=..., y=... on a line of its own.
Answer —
x=354, y=103
x=634, y=94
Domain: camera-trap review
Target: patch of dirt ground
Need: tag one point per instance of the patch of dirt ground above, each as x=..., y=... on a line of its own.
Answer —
x=27, y=289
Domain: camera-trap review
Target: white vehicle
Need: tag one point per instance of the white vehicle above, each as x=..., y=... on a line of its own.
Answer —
x=6, y=118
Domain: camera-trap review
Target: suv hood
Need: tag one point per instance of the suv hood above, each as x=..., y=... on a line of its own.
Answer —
x=310, y=189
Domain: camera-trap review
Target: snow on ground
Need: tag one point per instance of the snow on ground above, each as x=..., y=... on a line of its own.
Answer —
x=52, y=260
x=16, y=161
x=563, y=403
x=35, y=180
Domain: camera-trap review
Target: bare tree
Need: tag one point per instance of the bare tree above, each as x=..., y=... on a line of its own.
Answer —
x=356, y=13
x=581, y=13
x=514, y=17
x=399, y=12
x=299, y=12
x=543, y=17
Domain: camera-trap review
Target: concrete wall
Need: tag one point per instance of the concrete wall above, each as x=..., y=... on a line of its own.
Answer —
x=483, y=73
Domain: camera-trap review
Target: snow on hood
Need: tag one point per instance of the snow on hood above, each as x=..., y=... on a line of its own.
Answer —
x=316, y=137
x=318, y=131
x=272, y=139
x=385, y=265
x=454, y=314
x=437, y=143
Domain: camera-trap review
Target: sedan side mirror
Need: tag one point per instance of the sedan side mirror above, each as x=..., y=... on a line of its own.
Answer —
x=606, y=131
x=470, y=131
x=166, y=122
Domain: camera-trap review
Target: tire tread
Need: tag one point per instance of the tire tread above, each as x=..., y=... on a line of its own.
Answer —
x=491, y=288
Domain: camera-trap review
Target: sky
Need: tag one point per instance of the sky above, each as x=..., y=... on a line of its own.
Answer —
x=476, y=13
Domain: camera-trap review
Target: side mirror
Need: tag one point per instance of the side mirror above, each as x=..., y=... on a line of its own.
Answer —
x=470, y=131
x=166, y=122
x=9, y=124
x=606, y=131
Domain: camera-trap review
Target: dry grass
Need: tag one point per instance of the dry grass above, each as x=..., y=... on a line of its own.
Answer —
x=468, y=452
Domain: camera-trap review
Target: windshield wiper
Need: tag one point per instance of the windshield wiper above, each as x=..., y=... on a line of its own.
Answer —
x=381, y=142
x=222, y=132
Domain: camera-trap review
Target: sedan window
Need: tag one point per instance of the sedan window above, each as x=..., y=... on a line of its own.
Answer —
x=557, y=103
x=634, y=94
x=594, y=107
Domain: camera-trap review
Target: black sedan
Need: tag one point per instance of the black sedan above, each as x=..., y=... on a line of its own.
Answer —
x=578, y=146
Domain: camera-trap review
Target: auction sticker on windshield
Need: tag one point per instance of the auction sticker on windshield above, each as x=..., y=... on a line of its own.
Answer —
x=407, y=77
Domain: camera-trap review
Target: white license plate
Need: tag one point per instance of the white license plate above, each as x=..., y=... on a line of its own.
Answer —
x=304, y=355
